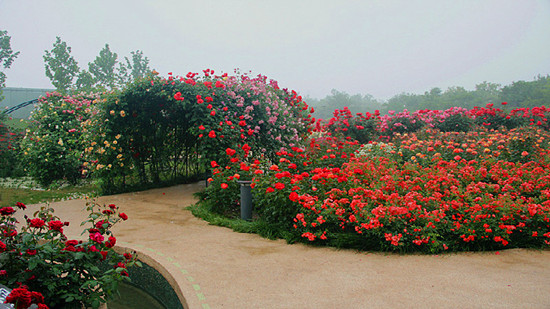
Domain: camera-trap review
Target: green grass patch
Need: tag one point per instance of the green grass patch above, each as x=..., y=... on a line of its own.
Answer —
x=203, y=210
x=10, y=196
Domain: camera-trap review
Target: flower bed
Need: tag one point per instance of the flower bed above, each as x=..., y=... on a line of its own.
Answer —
x=431, y=191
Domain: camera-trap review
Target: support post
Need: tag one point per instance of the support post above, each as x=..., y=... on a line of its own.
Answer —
x=246, y=200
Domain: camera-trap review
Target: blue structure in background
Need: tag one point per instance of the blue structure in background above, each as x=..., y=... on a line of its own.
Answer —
x=19, y=102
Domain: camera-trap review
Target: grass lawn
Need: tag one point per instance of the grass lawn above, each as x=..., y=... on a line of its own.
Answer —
x=11, y=195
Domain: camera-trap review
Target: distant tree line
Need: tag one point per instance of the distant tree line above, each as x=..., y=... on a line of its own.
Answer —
x=518, y=94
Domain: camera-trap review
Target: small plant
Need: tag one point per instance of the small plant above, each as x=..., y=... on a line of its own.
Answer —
x=68, y=273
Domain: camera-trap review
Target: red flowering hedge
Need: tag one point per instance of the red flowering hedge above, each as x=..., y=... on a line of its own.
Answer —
x=429, y=192
x=371, y=126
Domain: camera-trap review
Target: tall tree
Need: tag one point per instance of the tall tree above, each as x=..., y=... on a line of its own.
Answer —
x=7, y=56
x=103, y=68
x=61, y=68
x=85, y=81
x=134, y=69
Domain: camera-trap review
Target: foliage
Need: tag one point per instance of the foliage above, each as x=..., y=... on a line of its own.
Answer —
x=404, y=122
x=53, y=147
x=519, y=94
x=143, y=135
x=362, y=128
x=10, y=162
x=65, y=271
x=17, y=191
x=129, y=71
x=338, y=100
x=455, y=123
x=61, y=67
x=165, y=128
x=7, y=56
x=85, y=82
x=428, y=191
x=527, y=93
x=103, y=68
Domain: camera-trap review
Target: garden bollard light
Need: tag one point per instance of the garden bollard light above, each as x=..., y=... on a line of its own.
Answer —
x=246, y=200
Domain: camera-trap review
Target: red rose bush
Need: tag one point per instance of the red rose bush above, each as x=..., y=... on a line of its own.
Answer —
x=50, y=270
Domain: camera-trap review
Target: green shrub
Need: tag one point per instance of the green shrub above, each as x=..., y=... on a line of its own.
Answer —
x=455, y=123
x=53, y=146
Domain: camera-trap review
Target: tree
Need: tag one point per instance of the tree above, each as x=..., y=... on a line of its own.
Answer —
x=7, y=56
x=132, y=70
x=337, y=100
x=527, y=94
x=85, y=81
x=103, y=67
x=61, y=68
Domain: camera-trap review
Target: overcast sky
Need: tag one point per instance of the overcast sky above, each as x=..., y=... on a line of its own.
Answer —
x=370, y=47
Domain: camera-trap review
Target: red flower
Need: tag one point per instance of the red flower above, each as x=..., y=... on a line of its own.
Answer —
x=2, y=246
x=178, y=96
x=20, y=296
x=269, y=190
x=279, y=186
x=97, y=237
x=219, y=84
x=37, y=223
x=244, y=167
x=212, y=134
x=224, y=186
x=6, y=211
x=230, y=152
x=123, y=216
x=20, y=205
x=112, y=206
x=56, y=225
x=71, y=242
x=201, y=127
x=242, y=123
x=111, y=242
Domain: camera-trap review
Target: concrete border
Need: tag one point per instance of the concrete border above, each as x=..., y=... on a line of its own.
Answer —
x=147, y=260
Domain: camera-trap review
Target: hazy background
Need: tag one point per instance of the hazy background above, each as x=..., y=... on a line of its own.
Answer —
x=377, y=47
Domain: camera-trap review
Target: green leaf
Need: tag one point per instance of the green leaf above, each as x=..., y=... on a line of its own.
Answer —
x=32, y=264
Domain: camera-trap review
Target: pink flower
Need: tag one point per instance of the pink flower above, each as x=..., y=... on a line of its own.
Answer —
x=97, y=237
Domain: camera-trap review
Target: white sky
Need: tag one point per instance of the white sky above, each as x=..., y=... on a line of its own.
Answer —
x=312, y=46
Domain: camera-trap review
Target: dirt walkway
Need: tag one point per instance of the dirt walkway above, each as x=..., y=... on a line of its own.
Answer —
x=218, y=268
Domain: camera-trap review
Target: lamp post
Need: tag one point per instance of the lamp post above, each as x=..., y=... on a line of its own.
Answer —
x=246, y=199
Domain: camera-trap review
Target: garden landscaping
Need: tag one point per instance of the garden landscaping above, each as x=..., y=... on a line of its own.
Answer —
x=217, y=268
x=429, y=181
